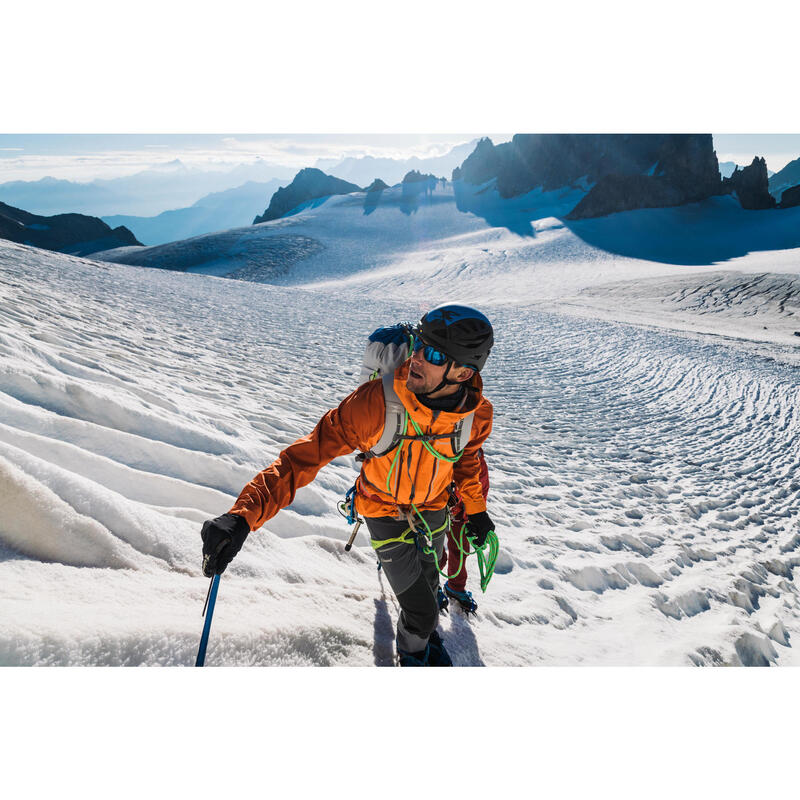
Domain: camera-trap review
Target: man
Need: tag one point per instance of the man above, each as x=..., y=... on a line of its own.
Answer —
x=401, y=491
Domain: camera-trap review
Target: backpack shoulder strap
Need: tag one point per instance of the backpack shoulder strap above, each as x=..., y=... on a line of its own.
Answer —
x=394, y=423
x=462, y=432
x=394, y=420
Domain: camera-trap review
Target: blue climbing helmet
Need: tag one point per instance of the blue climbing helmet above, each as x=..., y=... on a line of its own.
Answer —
x=461, y=332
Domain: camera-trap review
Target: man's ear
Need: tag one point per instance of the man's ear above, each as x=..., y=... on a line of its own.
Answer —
x=462, y=374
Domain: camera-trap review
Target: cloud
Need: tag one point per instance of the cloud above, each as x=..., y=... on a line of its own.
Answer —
x=302, y=150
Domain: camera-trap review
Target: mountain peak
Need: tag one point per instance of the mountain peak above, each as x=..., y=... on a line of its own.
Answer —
x=309, y=184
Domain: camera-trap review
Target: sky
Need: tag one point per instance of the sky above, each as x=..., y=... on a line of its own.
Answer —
x=86, y=157
x=778, y=148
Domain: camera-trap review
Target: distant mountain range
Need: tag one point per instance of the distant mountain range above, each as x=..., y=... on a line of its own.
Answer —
x=615, y=172
x=171, y=186
x=219, y=211
x=365, y=169
x=603, y=173
x=74, y=234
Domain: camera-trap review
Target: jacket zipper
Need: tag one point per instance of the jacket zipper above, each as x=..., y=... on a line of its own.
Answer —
x=398, y=476
x=433, y=478
x=408, y=472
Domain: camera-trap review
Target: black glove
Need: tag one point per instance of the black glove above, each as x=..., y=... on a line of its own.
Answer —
x=478, y=527
x=223, y=538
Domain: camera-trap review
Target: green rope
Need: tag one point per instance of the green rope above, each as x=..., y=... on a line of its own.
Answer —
x=431, y=450
x=486, y=563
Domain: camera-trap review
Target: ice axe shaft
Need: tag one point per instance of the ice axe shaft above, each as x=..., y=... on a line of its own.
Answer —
x=353, y=535
x=208, y=613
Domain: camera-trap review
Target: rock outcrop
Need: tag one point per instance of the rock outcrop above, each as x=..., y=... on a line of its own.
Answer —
x=625, y=171
x=308, y=184
x=790, y=197
x=377, y=186
x=75, y=234
x=550, y=161
x=751, y=186
x=685, y=171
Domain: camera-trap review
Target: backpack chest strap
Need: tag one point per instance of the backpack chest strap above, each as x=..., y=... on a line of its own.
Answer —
x=395, y=420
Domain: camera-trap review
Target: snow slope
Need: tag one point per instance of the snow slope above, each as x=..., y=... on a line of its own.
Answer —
x=643, y=481
x=413, y=240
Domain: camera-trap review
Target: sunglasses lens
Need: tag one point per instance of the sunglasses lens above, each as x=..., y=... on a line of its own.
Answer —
x=434, y=356
x=430, y=354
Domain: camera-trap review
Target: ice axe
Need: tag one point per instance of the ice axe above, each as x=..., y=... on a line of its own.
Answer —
x=353, y=535
x=208, y=613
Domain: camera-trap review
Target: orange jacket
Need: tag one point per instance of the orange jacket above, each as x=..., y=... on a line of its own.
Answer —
x=357, y=424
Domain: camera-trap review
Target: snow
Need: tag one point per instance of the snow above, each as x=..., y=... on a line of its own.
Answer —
x=643, y=459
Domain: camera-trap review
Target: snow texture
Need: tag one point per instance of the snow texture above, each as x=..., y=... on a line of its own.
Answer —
x=643, y=462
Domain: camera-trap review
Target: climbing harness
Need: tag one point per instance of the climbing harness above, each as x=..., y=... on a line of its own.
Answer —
x=423, y=540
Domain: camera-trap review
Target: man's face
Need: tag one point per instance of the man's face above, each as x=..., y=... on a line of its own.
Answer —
x=423, y=376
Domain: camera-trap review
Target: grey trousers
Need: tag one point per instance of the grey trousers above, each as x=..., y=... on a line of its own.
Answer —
x=413, y=576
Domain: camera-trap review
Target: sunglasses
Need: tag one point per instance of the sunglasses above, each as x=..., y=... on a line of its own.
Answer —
x=430, y=354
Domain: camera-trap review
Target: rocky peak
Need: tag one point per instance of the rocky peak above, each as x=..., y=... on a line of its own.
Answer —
x=377, y=186
x=751, y=186
x=309, y=184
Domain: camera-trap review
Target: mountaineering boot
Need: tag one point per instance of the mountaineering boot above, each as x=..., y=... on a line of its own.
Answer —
x=437, y=655
x=441, y=599
x=464, y=599
x=418, y=659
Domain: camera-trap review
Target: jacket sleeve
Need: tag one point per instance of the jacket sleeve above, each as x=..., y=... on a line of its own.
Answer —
x=467, y=470
x=355, y=425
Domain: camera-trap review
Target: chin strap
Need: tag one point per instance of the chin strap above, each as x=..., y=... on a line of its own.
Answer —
x=444, y=382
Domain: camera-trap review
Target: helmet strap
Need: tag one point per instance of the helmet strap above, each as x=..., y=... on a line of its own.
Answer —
x=444, y=382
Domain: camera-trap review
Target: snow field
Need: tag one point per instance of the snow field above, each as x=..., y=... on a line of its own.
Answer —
x=107, y=480
x=642, y=481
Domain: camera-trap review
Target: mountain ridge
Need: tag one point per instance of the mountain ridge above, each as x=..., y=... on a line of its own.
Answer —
x=73, y=234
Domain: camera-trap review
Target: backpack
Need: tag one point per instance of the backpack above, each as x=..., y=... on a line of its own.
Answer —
x=388, y=348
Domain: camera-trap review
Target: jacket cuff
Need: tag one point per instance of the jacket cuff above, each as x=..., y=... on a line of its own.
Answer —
x=245, y=514
x=473, y=506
